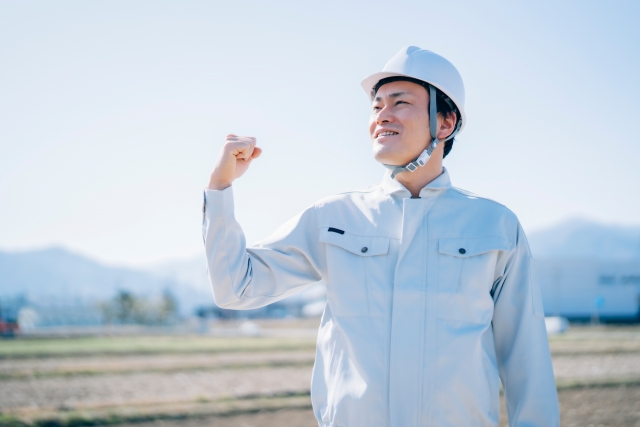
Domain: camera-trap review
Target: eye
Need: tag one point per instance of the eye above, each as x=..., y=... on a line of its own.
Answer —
x=401, y=102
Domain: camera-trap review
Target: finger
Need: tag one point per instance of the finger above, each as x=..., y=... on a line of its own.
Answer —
x=243, y=150
x=235, y=144
x=246, y=139
x=251, y=145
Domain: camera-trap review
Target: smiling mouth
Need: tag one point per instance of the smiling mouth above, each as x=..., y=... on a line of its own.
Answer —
x=386, y=133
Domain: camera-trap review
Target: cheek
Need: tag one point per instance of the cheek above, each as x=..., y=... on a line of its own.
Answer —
x=372, y=125
x=417, y=129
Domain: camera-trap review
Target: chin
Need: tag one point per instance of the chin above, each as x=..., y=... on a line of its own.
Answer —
x=390, y=154
x=389, y=158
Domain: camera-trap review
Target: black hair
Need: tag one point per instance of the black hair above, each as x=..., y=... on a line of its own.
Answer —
x=444, y=105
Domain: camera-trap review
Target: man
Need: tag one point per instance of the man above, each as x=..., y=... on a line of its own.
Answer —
x=430, y=297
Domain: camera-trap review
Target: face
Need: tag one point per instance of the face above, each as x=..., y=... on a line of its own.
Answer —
x=399, y=124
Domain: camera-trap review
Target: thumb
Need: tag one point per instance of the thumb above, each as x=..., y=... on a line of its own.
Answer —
x=257, y=151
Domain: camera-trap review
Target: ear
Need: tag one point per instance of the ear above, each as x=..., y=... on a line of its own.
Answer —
x=446, y=125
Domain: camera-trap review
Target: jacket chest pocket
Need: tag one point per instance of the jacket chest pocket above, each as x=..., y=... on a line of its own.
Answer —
x=353, y=264
x=466, y=272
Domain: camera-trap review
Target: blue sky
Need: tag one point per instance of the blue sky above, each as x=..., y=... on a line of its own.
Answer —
x=112, y=113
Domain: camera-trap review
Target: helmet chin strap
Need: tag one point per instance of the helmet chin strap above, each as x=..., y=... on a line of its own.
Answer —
x=422, y=159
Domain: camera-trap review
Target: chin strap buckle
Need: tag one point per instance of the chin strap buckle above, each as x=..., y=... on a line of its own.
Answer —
x=423, y=158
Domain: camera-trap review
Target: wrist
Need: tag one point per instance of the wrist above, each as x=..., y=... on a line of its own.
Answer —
x=216, y=184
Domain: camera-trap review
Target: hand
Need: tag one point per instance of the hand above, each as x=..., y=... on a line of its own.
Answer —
x=234, y=160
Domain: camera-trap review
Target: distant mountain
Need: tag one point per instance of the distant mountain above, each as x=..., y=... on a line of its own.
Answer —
x=580, y=238
x=57, y=274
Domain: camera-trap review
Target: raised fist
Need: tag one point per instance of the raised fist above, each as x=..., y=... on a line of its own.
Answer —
x=234, y=160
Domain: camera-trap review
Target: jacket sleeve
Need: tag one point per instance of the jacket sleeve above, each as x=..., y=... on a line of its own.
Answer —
x=522, y=348
x=270, y=270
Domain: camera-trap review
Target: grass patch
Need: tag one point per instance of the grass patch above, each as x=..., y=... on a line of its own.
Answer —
x=600, y=383
x=77, y=420
x=10, y=421
x=93, y=346
x=68, y=373
x=199, y=408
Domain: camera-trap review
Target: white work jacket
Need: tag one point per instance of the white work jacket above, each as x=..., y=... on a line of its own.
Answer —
x=429, y=303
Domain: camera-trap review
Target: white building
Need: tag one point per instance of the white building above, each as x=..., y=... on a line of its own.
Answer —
x=583, y=289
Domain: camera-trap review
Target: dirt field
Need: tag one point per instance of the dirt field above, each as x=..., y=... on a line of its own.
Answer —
x=189, y=381
x=610, y=407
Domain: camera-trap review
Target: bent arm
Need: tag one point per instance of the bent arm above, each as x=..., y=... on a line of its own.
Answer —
x=522, y=348
x=273, y=269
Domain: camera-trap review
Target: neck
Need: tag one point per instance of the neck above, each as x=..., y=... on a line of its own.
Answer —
x=421, y=177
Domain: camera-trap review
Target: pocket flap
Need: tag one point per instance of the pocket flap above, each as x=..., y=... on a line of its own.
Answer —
x=466, y=247
x=359, y=245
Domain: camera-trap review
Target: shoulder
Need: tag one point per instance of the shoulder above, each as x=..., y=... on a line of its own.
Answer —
x=357, y=211
x=481, y=202
x=485, y=214
x=465, y=194
x=349, y=197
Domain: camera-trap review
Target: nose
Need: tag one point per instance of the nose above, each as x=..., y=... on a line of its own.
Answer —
x=384, y=116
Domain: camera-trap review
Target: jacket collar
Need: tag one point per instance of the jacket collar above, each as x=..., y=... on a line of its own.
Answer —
x=393, y=188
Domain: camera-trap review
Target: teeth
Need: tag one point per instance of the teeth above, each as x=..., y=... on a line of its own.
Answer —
x=387, y=133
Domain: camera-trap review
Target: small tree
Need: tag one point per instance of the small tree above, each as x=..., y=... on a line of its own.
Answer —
x=168, y=309
x=125, y=307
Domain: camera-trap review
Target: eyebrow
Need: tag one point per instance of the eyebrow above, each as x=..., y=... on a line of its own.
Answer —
x=392, y=95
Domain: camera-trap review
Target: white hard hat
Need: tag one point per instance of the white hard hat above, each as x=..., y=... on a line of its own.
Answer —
x=427, y=66
x=438, y=73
